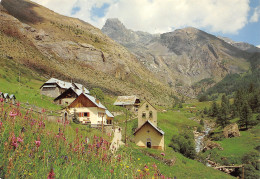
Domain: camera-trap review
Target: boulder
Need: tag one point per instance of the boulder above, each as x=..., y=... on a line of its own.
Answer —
x=231, y=131
x=211, y=145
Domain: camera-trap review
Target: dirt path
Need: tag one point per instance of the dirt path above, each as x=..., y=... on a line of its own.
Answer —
x=116, y=142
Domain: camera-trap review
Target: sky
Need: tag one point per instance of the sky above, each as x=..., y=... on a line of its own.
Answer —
x=238, y=20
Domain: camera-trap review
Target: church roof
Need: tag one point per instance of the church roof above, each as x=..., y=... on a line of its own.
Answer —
x=148, y=122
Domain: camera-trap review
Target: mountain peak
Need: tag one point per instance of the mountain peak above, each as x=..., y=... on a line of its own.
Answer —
x=114, y=23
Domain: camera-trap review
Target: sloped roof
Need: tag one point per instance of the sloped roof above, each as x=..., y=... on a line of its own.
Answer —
x=148, y=122
x=109, y=113
x=93, y=99
x=66, y=85
x=62, y=84
x=81, y=87
x=125, y=100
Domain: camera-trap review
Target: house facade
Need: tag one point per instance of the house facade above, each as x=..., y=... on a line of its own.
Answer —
x=148, y=135
x=147, y=112
x=131, y=103
x=90, y=111
x=55, y=87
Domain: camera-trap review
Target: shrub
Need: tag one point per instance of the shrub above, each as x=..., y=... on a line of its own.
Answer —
x=184, y=143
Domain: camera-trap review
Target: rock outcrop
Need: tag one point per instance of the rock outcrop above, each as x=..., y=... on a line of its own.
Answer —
x=209, y=145
x=231, y=131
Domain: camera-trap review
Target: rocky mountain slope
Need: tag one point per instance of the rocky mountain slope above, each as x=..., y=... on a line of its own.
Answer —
x=68, y=48
x=241, y=45
x=181, y=58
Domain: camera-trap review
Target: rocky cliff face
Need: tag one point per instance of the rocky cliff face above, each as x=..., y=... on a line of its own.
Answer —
x=183, y=57
x=68, y=48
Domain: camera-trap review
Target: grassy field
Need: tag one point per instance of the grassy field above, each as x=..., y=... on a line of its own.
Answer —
x=26, y=88
x=235, y=148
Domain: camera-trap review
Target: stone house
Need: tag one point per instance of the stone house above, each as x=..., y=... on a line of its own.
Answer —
x=129, y=102
x=90, y=111
x=148, y=135
x=55, y=87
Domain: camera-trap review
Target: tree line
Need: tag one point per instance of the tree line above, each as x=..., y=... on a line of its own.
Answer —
x=246, y=102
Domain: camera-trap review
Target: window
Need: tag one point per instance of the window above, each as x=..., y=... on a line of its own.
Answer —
x=150, y=114
x=147, y=107
x=143, y=115
x=86, y=114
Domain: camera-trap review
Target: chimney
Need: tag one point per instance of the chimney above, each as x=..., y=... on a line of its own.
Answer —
x=83, y=90
x=97, y=101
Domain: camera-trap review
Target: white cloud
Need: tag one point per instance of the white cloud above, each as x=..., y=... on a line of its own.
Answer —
x=258, y=46
x=161, y=15
x=255, y=16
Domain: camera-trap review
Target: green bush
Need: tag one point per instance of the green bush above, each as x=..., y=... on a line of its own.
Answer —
x=184, y=143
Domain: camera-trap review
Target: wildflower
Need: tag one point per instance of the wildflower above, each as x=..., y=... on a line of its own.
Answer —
x=1, y=124
x=12, y=114
x=163, y=154
x=111, y=171
x=18, y=104
x=1, y=100
x=15, y=144
x=19, y=139
x=37, y=143
x=43, y=110
x=138, y=159
x=127, y=166
x=139, y=170
x=51, y=174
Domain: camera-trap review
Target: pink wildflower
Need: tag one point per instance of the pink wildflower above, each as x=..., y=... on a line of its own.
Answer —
x=1, y=124
x=163, y=154
x=51, y=174
x=15, y=144
x=18, y=104
x=1, y=100
x=12, y=114
x=37, y=143
x=43, y=110
x=19, y=139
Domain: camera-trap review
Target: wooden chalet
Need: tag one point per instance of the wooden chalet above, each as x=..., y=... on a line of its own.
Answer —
x=90, y=111
x=68, y=96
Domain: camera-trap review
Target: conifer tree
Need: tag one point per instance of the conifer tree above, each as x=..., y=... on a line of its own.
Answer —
x=214, y=109
x=245, y=115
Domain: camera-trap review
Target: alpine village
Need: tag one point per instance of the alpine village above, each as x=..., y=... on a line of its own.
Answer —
x=80, y=102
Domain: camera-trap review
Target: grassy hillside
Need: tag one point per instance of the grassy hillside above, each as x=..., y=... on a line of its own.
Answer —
x=58, y=46
x=24, y=83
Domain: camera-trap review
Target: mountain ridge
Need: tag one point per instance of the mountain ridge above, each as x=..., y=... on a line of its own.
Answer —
x=182, y=57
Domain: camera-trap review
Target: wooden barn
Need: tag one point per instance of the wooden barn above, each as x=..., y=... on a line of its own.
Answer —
x=90, y=111
x=148, y=135
x=129, y=102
